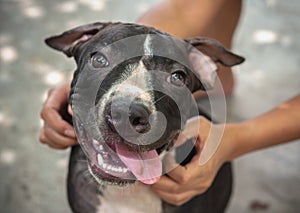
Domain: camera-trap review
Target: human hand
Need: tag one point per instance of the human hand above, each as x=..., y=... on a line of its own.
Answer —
x=57, y=132
x=184, y=182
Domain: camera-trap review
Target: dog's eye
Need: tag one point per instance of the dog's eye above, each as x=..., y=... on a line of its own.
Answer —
x=177, y=78
x=98, y=60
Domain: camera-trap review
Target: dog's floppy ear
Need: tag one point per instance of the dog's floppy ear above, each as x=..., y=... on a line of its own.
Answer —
x=204, y=62
x=67, y=41
x=216, y=51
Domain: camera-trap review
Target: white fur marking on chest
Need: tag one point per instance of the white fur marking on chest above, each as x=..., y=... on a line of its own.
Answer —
x=137, y=198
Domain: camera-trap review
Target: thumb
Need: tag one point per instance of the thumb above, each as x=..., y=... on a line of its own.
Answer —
x=169, y=162
x=191, y=130
x=70, y=111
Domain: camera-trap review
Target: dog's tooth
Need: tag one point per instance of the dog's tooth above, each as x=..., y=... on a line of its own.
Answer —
x=100, y=147
x=109, y=167
x=104, y=165
x=100, y=159
x=125, y=170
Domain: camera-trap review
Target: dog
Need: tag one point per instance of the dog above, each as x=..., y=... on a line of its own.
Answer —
x=131, y=96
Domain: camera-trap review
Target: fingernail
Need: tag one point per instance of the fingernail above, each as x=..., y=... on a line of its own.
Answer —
x=69, y=133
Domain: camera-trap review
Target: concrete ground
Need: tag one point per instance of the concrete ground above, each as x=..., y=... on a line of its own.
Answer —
x=32, y=176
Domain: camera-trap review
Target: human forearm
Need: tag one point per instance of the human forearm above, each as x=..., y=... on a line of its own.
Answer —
x=214, y=19
x=182, y=18
x=277, y=126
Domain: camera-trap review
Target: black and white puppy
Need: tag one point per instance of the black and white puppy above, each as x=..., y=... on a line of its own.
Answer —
x=131, y=96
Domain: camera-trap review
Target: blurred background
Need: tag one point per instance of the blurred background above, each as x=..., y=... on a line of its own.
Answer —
x=32, y=176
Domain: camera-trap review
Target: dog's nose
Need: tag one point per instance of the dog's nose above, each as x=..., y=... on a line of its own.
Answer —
x=139, y=117
x=120, y=115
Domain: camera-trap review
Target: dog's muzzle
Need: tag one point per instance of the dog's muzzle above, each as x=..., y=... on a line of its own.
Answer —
x=113, y=160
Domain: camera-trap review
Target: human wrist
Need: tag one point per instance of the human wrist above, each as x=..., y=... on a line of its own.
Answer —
x=238, y=136
x=225, y=149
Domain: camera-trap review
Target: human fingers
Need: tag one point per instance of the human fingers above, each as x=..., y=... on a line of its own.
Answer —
x=45, y=140
x=57, y=138
x=53, y=119
x=177, y=179
x=197, y=127
x=54, y=110
x=190, y=130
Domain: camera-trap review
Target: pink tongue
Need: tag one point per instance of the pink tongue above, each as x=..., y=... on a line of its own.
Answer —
x=146, y=166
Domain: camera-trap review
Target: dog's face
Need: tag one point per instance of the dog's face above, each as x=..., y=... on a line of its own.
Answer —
x=132, y=89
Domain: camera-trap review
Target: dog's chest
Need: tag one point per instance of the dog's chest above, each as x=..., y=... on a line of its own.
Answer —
x=137, y=198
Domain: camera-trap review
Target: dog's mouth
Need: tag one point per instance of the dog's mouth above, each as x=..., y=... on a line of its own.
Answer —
x=120, y=159
x=115, y=162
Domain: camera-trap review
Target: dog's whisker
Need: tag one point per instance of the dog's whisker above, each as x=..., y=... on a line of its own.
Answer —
x=104, y=90
x=90, y=180
x=159, y=99
x=86, y=173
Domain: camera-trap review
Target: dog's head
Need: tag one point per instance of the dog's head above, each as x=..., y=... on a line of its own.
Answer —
x=131, y=93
